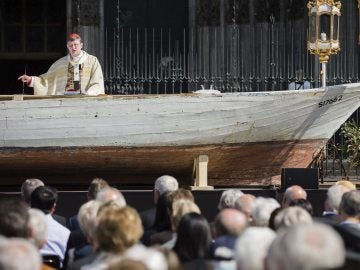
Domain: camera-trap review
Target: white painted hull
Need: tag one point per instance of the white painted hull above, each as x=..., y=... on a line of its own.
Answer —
x=176, y=120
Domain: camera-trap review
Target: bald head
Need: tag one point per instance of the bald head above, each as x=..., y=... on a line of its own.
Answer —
x=292, y=193
x=230, y=221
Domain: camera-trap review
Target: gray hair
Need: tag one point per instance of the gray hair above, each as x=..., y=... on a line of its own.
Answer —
x=262, y=209
x=38, y=227
x=87, y=217
x=350, y=203
x=257, y=241
x=19, y=254
x=166, y=183
x=306, y=247
x=111, y=194
x=228, y=198
x=28, y=187
x=333, y=197
x=291, y=216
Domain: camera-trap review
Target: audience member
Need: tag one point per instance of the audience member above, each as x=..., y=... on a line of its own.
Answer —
x=45, y=198
x=311, y=247
x=28, y=186
x=244, y=204
x=228, y=198
x=291, y=216
x=346, y=183
x=193, y=242
x=95, y=186
x=117, y=231
x=14, y=218
x=163, y=184
x=252, y=247
x=349, y=226
x=262, y=209
x=228, y=225
x=19, y=254
x=292, y=193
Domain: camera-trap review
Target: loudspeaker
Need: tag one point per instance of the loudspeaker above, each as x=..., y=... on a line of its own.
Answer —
x=307, y=178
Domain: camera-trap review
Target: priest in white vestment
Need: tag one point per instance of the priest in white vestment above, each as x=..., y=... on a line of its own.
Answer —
x=76, y=73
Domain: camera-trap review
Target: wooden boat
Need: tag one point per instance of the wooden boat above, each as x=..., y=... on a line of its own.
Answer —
x=131, y=140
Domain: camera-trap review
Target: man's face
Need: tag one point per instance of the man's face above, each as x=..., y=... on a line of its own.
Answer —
x=74, y=47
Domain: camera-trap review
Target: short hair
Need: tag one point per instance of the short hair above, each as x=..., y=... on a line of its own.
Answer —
x=166, y=183
x=38, y=227
x=44, y=198
x=95, y=186
x=291, y=216
x=176, y=195
x=118, y=229
x=87, y=217
x=73, y=37
x=306, y=246
x=257, y=241
x=228, y=198
x=111, y=194
x=16, y=253
x=350, y=203
x=28, y=187
x=262, y=209
x=14, y=218
x=293, y=192
x=346, y=183
x=333, y=197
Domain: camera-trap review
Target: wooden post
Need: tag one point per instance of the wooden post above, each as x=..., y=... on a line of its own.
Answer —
x=200, y=173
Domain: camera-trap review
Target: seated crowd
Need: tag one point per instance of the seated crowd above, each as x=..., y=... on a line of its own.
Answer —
x=248, y=232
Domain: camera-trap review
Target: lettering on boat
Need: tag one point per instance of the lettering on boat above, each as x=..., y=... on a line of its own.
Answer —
x=330, y=101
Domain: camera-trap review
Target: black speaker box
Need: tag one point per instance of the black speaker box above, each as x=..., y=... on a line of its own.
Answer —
x=307, y=178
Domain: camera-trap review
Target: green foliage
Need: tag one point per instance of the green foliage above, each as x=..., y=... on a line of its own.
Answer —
x=351, y=132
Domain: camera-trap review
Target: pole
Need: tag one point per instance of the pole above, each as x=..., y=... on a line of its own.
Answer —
x=323, y=71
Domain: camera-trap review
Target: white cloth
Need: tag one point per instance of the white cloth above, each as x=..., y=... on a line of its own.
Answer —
x=56, y=238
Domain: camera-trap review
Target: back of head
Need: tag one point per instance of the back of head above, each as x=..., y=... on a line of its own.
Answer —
x=193, y=237
x=166, y=183
x=14, y=218
x=180, y=208
x=176, y=195
x=291, y=216
x=19, y=254
x=87, y=217
x=37, y=227
x=111, y=194
x=230, y=222
x=333, y=197
x=262, y=209
x=306, y=247
x=244, y=204
x=350, y=204
x=304, y=204
x=28, y=187
x=292, y=193
x=257, y=241
x=44, y=198
x=228, y=198
x=95, y=186
x=346, y=183
x=118, y=229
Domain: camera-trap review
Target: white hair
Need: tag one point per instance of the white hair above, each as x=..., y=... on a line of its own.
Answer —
x=306, y=247
x=252, y=246
x=28, y=187
x=262, y=209
x=38, y=227
x=87, y=217
x=152, y=258
x=19, y=254
x=166, y=183
x=228, y=198
x=111, y=194
x=333, y=197
x=291, y=216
